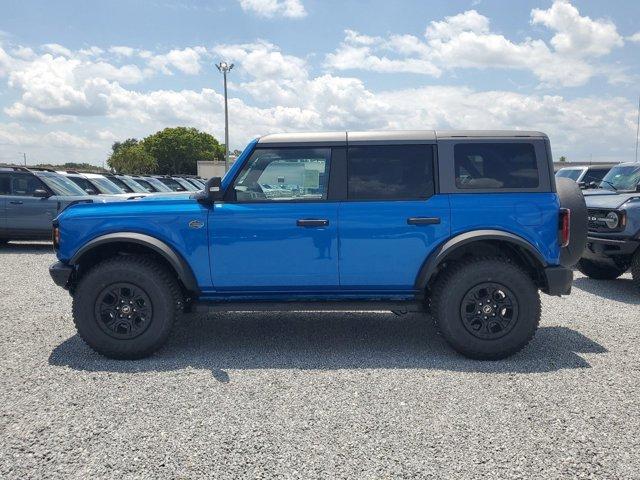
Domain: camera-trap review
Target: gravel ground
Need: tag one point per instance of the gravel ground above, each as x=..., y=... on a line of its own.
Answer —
x=301, y=395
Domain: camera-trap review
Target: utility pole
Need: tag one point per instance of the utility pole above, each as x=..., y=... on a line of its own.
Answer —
x=225, y=67
x=24, y=157
x=638, y=128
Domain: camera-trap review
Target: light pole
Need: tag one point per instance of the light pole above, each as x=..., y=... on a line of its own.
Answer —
x=225, y=67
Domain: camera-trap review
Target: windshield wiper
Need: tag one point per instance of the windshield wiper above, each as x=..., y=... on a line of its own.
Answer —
x=609, y=183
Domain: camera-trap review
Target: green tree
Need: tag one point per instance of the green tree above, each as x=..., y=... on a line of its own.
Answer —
x=177, y=150
x=132, y=159
x=563, y=159
x=129, y=142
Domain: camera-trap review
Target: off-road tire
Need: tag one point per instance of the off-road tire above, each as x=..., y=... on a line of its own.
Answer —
x=600, y=270
x=635, y=269
x=458, y=279
x=155, y=280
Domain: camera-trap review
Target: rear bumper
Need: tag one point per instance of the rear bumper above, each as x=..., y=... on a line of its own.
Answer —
x=60, y=273
x=601, y=248
x=559, y=280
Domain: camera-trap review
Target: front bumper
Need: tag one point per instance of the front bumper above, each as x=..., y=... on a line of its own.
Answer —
x=61, y=273
x=559, y=280
x=601, y=248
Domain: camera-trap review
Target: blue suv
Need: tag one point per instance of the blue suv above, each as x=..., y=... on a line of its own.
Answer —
x=468, y=225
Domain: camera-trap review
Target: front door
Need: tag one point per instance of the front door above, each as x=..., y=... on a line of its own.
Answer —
x=276, y=229
x=28, y=215
x=392, y=220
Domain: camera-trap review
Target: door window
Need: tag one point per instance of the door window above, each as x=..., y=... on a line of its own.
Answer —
x=284, y=174
x=5, y=184
x=390, y=172
x=25, y=185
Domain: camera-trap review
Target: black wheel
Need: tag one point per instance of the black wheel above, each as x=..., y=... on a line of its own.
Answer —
x=600, y=270
x=635, y=269
x=125, y=307
x=486, y=308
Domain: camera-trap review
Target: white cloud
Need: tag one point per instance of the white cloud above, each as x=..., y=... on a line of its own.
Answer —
x=634, y=38
x=186, y=60
x=123, y=51
x=57, y=49
x=274, y=8
x=466, y=41
x=576, y=35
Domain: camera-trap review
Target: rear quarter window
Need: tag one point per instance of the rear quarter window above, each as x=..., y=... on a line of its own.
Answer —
x=495, y=166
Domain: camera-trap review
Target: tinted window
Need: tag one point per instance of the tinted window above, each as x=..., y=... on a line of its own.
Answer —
x=390, y=172
x=298, y=174
x=495, y=165
x=572, y=173
x=5, y=184
x=85, y=185
x=25, y=185
x=594, y=175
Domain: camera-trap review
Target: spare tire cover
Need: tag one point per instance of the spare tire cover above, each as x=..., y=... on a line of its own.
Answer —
x=571, y=197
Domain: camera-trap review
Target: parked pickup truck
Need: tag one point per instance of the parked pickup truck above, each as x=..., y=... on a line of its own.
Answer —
x=467, y=225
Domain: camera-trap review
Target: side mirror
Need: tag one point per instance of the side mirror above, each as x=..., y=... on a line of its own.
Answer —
x=41, y=193
x=593, y=184
x=212, y=191
x=582, y=185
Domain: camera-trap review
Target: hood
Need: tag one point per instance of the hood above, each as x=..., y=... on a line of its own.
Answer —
x=607, y=199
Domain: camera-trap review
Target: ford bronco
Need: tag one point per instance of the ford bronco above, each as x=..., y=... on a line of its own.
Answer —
x=467, y=225
x=613, y=245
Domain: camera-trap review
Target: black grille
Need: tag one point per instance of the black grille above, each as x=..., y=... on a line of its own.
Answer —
x=596, y=225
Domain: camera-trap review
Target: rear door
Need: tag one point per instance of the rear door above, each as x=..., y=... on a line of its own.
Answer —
x=28, y=215
x=392, y=218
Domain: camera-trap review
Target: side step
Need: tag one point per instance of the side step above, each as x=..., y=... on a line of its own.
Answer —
x=397, y=307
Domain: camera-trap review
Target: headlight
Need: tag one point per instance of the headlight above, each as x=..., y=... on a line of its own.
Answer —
x=612, y=220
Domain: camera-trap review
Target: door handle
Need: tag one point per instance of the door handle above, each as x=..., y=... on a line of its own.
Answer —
x=15, y=202
x=423, y=220
x=312, y=222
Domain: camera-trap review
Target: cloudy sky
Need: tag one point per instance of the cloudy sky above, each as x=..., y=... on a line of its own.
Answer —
x=77, y=75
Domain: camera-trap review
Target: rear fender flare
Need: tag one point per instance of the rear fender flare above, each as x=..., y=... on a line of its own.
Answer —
x=430, y=265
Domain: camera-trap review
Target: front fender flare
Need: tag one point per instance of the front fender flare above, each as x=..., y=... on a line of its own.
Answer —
x=177, y=262
x=430, y=265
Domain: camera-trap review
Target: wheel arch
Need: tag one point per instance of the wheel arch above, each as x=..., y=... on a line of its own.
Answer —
x=483, y=242
x=130, y=243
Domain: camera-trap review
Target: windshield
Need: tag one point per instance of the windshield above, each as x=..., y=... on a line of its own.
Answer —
x=105, y=185
x=196, y=182
x=186, y=184
x=572, y=173
x=133, y=185
x=158, y=185
x=60, y=184
x=119, y=183
x=622, y=177
x=172, y=184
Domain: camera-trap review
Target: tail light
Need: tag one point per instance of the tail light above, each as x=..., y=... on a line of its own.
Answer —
x=55, y=236
x=565, y=227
